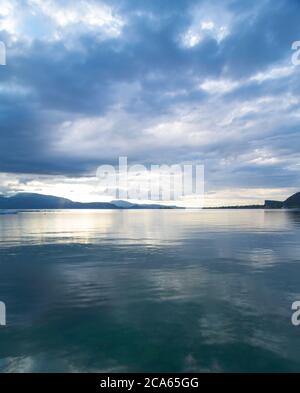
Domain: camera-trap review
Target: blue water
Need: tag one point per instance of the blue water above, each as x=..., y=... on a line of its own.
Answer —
x=164, y=290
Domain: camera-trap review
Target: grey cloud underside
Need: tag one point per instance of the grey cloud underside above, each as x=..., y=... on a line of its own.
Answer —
x=146, y=76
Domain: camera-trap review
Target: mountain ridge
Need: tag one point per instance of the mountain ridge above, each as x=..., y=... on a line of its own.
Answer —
x=292, y=202
x=36, y=201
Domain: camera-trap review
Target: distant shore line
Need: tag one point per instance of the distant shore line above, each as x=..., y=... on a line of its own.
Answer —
x=29, y=201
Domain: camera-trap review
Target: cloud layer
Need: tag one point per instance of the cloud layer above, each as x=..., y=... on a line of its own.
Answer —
x=157, y=81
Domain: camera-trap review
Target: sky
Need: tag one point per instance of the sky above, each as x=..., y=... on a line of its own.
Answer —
x=158, y=81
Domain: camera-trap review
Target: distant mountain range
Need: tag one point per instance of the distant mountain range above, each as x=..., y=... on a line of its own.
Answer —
x=293, y=202
x=38, y=201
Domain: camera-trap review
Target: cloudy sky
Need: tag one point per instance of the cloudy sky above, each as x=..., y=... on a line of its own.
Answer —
x=158, y=81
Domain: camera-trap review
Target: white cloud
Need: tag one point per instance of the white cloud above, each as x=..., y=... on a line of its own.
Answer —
x=8, y=16
x=273, y=73
x=219, y=86
x=208, y=20
x=91, y=14
x=52, y=20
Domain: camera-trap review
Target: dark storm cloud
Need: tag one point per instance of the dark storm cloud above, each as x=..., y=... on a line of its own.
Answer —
x=262, y=36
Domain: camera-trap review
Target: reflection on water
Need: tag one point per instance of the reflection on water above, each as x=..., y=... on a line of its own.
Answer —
x=150, y=290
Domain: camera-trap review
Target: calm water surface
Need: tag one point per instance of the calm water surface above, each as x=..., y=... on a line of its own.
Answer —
x=150, y=291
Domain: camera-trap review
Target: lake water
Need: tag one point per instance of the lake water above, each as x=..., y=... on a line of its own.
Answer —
x=150, y=291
